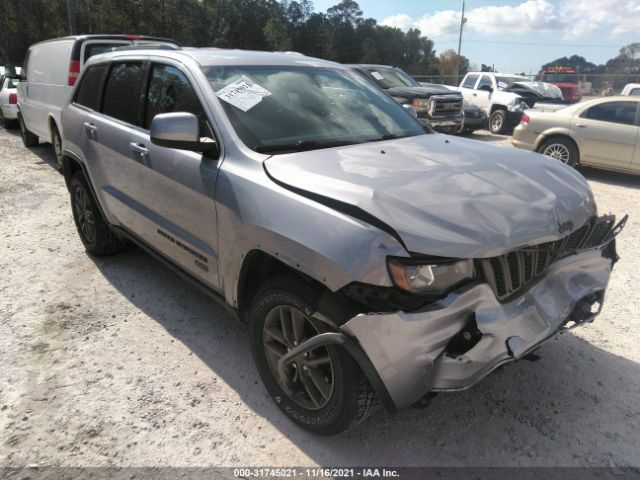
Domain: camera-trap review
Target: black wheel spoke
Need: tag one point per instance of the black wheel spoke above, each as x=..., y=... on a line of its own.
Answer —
x=276, y=349
x=318, y=379
x=297, y=322
x=312, y=390
x=319, y=361
x=276, y=334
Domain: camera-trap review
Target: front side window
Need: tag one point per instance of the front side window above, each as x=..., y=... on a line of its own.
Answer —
x=89, y=91
x=634, y=91
x=122, y=91
x=613, y=112
x=297, y=107
x=170, y=91
x=470, y=81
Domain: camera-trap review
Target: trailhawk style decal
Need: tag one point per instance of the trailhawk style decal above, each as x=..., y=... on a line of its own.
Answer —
x=202, y=260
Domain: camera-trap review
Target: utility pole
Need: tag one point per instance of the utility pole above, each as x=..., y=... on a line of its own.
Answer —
x=69, y=17
x=462, y=22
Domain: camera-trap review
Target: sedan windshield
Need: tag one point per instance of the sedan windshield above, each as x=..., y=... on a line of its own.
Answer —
x=278, y=109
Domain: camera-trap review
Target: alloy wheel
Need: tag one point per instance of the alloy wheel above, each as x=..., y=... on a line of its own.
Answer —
x=84, y=214
x=496, y=123
x=557, y=151
x=310, y=376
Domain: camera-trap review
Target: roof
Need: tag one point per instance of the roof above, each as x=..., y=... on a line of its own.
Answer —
x=218, y=56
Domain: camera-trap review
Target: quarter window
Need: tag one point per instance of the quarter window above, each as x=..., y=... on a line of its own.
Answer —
x=170, y=91
x=613, y=112
x=122, y=92
x=635, y=91
x=470, y=81
x=89, y=91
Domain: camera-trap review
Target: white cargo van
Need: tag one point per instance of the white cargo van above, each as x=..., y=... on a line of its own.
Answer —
x=50, y=70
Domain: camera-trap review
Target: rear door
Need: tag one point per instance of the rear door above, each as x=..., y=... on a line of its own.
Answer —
x=607, y=133
x=177, y=212
x=116, y=177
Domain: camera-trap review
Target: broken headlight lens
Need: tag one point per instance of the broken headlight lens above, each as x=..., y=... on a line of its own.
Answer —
x=429, y=277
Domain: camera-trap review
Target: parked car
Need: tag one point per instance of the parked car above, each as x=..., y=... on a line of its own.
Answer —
x=602, y=133
x=8, y=101
x=374, y=261
x=631, y=89
x=566, y=79
x=435, y=105
x=505, y=97
x=50, y=70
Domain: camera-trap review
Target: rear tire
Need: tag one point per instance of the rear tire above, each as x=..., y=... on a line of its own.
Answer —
x=498, y=122
x=6, y=123
x=56, y=141
x=97, y=238
x=29, y=138
x=562, y=149
x=345, y=398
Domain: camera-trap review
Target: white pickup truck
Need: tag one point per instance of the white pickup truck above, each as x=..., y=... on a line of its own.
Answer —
x=504, y=97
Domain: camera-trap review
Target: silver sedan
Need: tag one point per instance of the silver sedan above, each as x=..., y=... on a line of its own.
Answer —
x=603, y=133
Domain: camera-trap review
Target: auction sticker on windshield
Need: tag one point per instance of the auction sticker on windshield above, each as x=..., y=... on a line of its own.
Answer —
x=243, y=94
x=377, y=75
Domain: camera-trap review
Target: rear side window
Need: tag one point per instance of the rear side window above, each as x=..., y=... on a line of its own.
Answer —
x=92, y=49
x=470, y=81
x=89, y=91
x=613, y=112
x=170, y=91
x=635, y=91
x=122, y=92
x=485, y=81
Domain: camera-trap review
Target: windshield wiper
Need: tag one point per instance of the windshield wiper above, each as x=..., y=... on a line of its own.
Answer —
x=301, y=146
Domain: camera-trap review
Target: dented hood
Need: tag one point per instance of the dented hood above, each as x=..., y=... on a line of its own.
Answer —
x=542, y=89
x=444, y=195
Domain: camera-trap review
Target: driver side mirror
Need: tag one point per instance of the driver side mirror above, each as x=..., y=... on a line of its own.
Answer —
x=486, y=88
x=180, y=130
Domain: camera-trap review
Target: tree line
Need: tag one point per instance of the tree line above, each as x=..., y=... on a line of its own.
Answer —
x=341, y=33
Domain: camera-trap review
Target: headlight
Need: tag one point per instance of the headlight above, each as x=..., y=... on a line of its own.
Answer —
x=420, y=103
x=519, y=107
x=420, y=276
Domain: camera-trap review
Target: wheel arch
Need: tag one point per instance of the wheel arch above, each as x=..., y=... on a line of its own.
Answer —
x=497, y=106
x=51, y=124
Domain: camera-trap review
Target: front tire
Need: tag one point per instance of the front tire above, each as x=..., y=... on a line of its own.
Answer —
x=325, y=391
x=29, y=138
x=498, y=122
x=561, y=149
x=97, y=238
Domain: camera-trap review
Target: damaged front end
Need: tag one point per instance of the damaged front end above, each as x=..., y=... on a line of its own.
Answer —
x=450, y=339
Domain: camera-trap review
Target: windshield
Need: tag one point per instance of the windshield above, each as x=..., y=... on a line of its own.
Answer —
x=286, y=108
x=560, y=77
x=504, y=82
x=392, y=77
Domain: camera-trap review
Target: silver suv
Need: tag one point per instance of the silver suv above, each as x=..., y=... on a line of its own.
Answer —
x=373, y=262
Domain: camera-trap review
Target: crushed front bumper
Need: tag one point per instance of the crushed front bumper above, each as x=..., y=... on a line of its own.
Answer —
x=409, y=351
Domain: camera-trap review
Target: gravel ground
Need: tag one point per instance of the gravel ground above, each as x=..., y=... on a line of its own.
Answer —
x=116, y=361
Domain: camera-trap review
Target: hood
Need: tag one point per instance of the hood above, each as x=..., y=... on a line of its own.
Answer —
x=444, y=195
x=542, y=89
x=421, y=92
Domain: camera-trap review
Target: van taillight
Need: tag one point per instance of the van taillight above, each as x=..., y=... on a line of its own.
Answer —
x=525, y=119
x=133, y=37
x=13, y=98
x=74, y=71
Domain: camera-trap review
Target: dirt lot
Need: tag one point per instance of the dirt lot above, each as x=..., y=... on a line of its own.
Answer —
x=116, y=361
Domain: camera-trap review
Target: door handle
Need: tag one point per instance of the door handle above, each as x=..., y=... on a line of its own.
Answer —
x=581, y=125
x=139, y=150
x=91, y=130
x=475, y=94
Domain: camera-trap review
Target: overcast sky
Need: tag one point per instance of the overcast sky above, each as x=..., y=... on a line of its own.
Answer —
x=515, y=35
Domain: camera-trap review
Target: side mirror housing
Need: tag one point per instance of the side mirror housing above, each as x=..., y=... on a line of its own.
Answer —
x=180, y=130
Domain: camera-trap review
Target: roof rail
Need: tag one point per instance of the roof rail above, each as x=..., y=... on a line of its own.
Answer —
x=147, y=46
